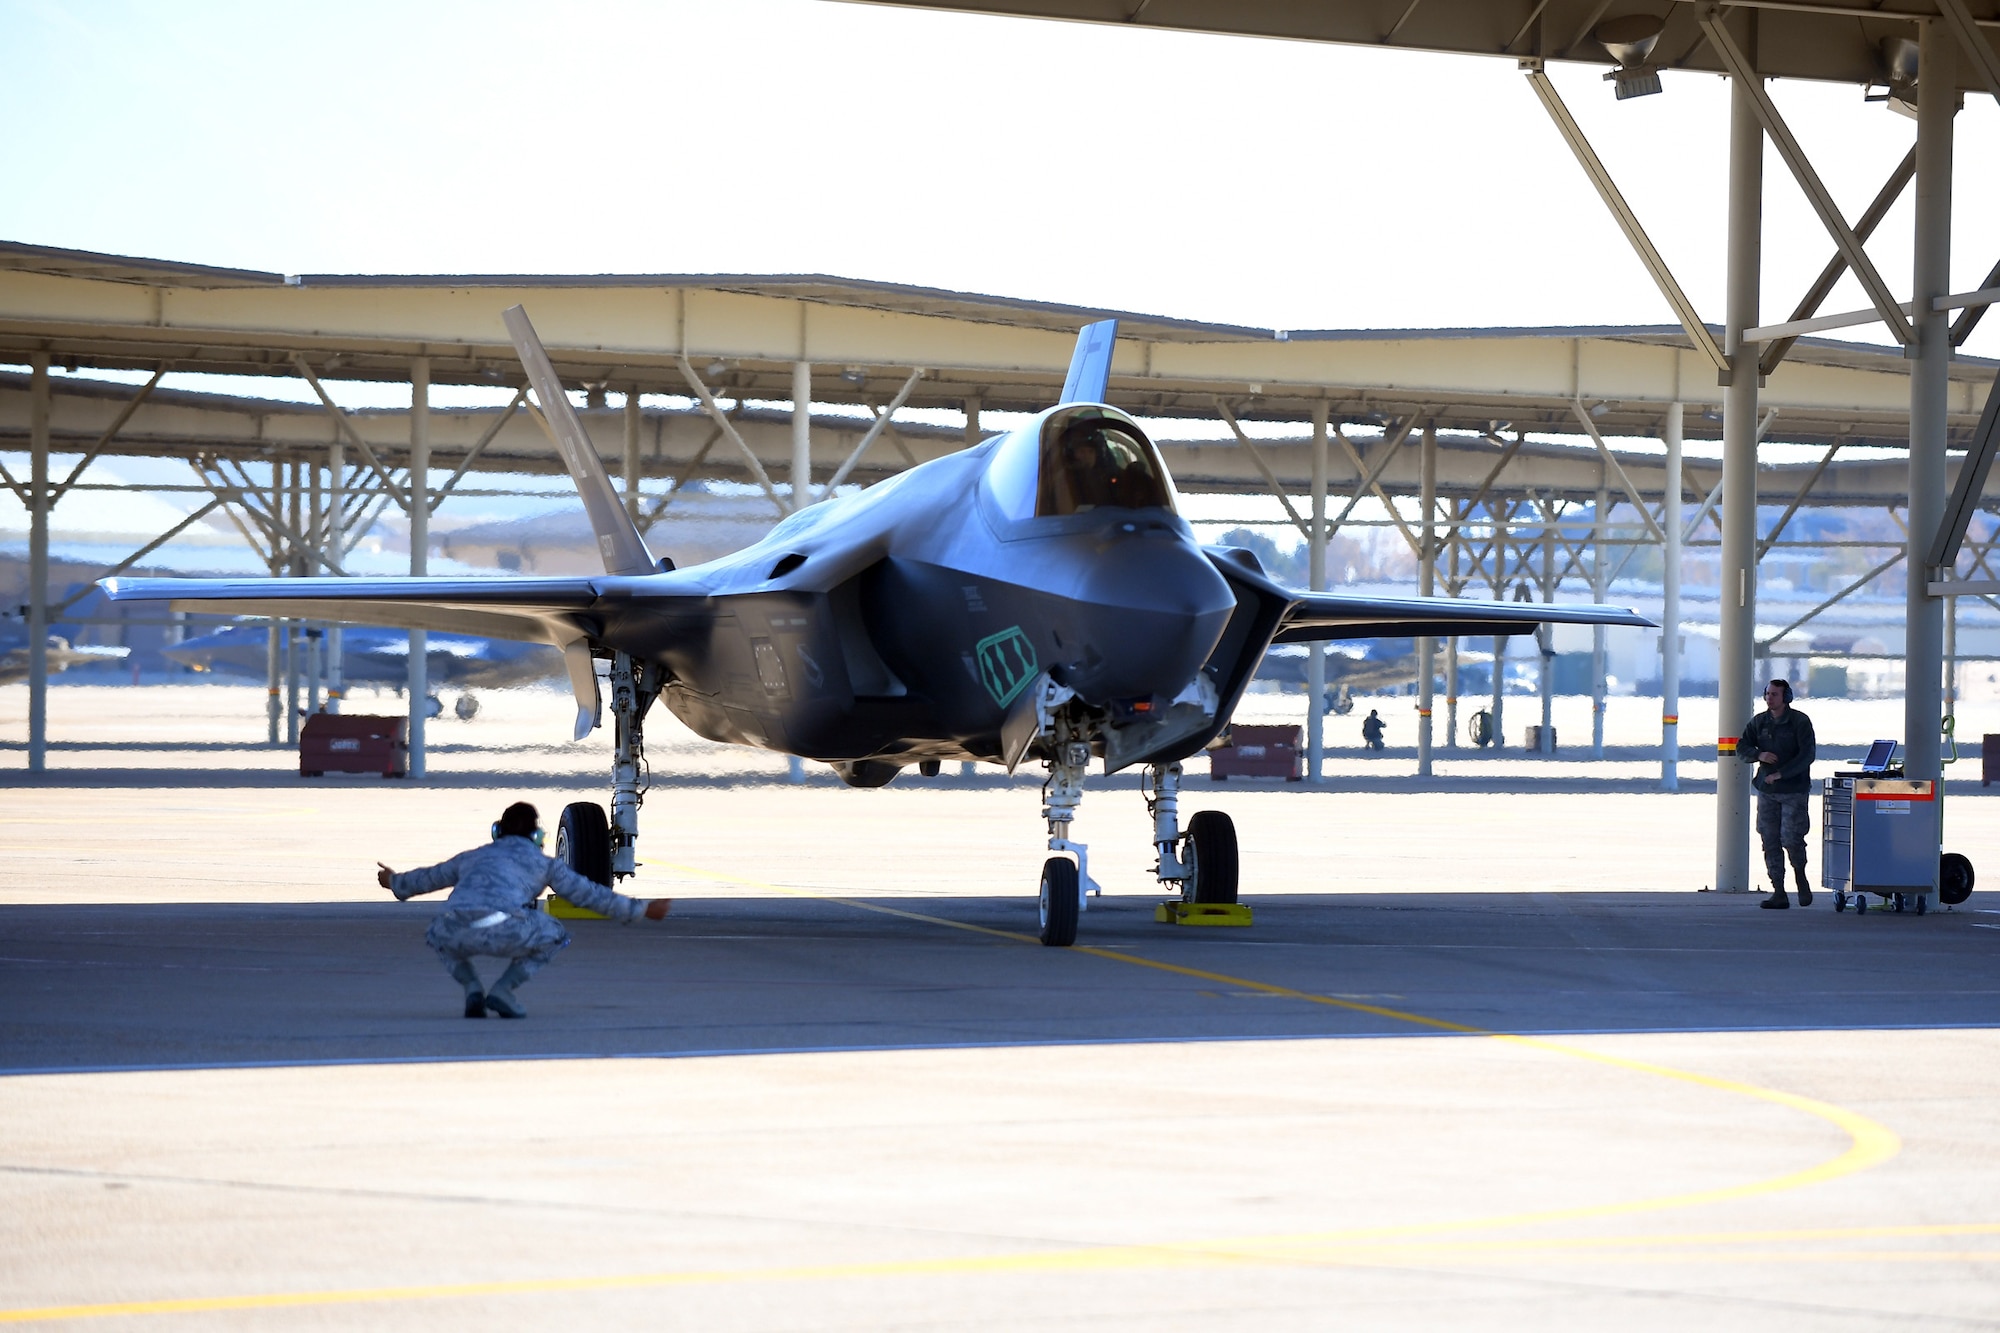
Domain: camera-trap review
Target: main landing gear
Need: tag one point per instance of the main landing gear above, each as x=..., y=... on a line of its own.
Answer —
x=594, y=847
x=1199, y=865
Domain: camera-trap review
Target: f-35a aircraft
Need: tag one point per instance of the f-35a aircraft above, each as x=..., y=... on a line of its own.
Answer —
x=1037, y=596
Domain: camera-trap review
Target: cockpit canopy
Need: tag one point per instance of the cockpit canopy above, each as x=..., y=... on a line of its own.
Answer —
x=1083, y=458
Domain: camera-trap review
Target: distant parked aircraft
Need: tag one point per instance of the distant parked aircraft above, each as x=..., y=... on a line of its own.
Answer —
x=1369, y=666
x=61, y=657
x=372, y=656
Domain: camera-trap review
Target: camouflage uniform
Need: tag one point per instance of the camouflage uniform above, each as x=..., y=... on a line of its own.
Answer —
x=1783, y=789
x=493, y=908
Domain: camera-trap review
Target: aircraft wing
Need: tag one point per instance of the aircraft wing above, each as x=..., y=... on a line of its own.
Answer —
x=1332, y=615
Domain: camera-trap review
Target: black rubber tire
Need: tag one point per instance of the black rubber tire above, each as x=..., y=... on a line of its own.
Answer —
x=1923, y=903
x=1210, y=851
x=583, y=841
x=1840, y=902
x=1954, y=878
x=1059, y=902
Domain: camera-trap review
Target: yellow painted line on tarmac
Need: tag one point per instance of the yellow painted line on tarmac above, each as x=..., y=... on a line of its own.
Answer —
x=1100, y=1259
x=1869, y=1144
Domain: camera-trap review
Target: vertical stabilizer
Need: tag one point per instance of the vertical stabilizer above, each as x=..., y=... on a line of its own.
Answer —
x=1090, y=363
x=618, y=541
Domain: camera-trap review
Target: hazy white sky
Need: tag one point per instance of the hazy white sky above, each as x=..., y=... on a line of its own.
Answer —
x=1215, y=178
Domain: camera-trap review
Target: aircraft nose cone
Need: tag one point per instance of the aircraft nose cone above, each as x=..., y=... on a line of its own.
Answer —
x=1159, y=606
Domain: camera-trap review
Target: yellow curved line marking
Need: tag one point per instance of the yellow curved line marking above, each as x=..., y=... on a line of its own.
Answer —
x=1870, y=1143
x=1076, y=1260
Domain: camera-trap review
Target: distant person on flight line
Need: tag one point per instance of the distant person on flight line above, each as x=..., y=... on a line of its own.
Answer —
x=493, y=909
x=1780, y=742
x=1371, y=730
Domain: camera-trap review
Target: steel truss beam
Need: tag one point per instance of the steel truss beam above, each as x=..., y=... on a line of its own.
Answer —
x=721, y=419
x=1780, y=135
x=1257, y=457
x=1822, y=287
x=1627, y=220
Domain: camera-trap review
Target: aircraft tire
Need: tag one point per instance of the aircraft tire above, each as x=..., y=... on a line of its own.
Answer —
x=1211, y=849
x=583, y=841
x=1059, y=902
x=1954, y=878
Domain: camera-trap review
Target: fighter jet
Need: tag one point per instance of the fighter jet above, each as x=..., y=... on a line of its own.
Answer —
x=382, y=657
x=61, y=657
x=1035, y=597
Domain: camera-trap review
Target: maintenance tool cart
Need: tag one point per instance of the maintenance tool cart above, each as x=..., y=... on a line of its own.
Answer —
x=1879, y=833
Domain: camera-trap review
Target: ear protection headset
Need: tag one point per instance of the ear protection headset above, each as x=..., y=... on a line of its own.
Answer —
x=536, y=836
x=1784, y=685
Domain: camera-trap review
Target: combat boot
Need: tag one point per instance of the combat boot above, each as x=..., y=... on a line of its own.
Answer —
x=1805, y=887
x=1777, y=898
x=475, y=998
x=500, y=995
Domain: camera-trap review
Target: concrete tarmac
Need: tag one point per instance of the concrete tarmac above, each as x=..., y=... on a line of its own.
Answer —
x=1486, y=1060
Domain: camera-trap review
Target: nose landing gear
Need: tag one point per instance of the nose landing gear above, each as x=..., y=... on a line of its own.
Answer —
x=1065, y=885
x=1199, y=864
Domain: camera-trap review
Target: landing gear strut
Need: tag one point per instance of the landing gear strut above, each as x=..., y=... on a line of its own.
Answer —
x=634, y=686
x=1200, y=865
x=1064, y=886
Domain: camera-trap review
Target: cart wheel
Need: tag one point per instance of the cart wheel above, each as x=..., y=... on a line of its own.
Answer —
x=1860, y=903
x=1899, y=902
x=1840, y=901
x=1954, y=878
x=1923, y=903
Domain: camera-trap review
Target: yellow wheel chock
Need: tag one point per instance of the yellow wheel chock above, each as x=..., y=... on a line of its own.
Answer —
x=1175, y=912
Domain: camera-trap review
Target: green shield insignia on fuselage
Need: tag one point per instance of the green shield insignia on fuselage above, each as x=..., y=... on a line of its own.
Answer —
x=1006, y=664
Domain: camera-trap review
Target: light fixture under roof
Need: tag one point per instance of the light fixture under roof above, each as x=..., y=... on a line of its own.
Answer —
x=1899, y=72
x=1629, y=39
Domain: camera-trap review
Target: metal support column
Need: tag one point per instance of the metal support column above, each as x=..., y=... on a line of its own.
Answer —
x=1500, y=514
x=1545, y=639
x=632, y=466
x=1735, y=690
x=336, y=550
x=1453, y=586
x=1923, y=654
x=1316, y=581
x=1597, y=586
x=315, y=532
x=1426, y=582
x=420, y=543
x=1670, y=608
x=802, y=380
x=293, y=513
x=38, y=564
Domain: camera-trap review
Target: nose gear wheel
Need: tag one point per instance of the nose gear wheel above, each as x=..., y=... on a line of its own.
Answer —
x=1060, y=900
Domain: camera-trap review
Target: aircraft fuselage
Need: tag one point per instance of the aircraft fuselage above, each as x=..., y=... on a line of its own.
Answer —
x=907, y=622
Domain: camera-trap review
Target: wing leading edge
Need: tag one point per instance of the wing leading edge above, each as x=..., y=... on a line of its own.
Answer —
x=1314, y=616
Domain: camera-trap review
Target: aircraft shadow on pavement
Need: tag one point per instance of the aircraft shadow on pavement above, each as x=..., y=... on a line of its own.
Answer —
x=206, y=985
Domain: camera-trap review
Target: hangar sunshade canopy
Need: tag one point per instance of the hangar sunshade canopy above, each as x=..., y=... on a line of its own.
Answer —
x=745, y=335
